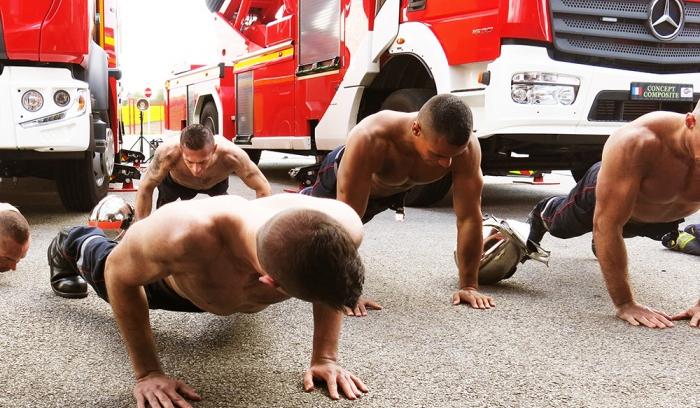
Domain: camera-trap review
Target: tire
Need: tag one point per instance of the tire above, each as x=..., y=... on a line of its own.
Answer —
x=254, y=155
x=83, y=183
x=578, y=172
x=209, y=117
x=411, y=100
x=407, y=100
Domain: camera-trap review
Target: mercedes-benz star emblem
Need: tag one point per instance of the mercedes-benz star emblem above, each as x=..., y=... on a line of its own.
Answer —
x=666, y=18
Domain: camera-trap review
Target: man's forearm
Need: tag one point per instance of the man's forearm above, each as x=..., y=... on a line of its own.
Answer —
x=327, y=325
x=144, y=202
x=130, y=308
x=469, y=249
x=612, y=256
x=259, y=183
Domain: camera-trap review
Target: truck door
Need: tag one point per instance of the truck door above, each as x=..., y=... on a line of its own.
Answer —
x=265, y=80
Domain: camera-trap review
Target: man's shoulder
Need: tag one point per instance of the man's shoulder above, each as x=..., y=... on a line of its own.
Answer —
x=169, y=151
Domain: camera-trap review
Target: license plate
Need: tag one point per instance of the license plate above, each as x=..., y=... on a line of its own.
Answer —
x=661, y=92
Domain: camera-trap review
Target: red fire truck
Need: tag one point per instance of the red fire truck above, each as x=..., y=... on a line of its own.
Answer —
x=58, y=94
x=547, y=80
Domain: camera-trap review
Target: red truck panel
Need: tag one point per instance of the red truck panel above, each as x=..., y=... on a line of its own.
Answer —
x=46, y=30
x=21, y=23
x=65, y=33
x=460, y=26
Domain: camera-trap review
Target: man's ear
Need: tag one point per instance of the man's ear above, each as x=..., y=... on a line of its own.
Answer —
x=415, y=128
x=690, y=120
x=269, y=281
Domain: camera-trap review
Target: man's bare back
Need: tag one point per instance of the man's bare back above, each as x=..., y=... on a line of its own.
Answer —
x=208, y=255
x=670, y=179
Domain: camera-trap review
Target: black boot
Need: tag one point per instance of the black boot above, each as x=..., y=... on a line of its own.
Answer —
x=65, y=280
x=537, y=227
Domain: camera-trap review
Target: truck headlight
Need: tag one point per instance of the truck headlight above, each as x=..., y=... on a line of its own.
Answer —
x=61, y=98
x=544, y=88
x=32, y=101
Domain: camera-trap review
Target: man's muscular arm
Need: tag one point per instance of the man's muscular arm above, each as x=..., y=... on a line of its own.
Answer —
x=467, y=182
x=125, y=277
x=626, y=158
x=324, y=356
x=363, y=156
x=245, y=169
x=157, y=171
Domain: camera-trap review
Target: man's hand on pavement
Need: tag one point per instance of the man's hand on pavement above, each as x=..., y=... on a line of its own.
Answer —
x=363, y=304
x=335, y=377
x=636, y=314
x=693, y=314
x=473, y=298
x=157, y=390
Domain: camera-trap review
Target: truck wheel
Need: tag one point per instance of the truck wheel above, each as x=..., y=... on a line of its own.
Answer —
x=578, y=172
x=83, y=183
x=411, y=100
x=209, y=118
x=254, y=155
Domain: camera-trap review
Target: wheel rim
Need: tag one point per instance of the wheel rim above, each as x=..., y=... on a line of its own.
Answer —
x=103, y=163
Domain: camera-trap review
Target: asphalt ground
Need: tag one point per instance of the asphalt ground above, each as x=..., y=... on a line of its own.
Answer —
x=551, y=340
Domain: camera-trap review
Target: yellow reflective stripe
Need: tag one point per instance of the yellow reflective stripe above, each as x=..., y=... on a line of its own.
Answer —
x=272, y=56
x=684, y=239
x=109, y=40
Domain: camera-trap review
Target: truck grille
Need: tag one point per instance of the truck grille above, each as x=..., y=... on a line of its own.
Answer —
x=615, y=106
x=618, y=34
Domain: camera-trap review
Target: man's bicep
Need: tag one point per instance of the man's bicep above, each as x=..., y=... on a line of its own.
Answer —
x=616, y=193
x=157, y=170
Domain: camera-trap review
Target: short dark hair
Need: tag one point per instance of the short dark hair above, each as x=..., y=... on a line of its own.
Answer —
x=14, y=225
x=448, y=117
x=196, y=136
x=312, y=257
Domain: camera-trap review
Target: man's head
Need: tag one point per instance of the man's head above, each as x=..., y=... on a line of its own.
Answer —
x=310, y=256
x=14, y=237
x=198, y=147
x=442, y=128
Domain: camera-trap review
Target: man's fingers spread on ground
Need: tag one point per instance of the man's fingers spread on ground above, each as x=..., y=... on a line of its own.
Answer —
x=333, y=387
x=345, y=386
x=188, y=392
x=352, y=385
x=631, y=320
x=363, y=310
x=359, y=383
x=643, y=320
x=455, y=299
x=140, y=401
x=357, y=312
x=681, y=316
x=374, y=305
x=164, y=399
x=662, y=313
x=665, y=319
x=308, y=381
x=153, y=401
x=178, y=400
x=695, y=321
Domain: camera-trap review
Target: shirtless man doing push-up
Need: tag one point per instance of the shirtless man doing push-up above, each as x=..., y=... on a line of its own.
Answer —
x=389, y=152
x=224, y=255
x=199, y=163
x=648, y=180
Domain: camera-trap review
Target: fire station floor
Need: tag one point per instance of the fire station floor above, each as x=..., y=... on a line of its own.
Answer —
x=552, y=339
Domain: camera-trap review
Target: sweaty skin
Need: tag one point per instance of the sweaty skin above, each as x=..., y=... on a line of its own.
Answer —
x=650, y=173
x=209, y=256
x=226, y=158
x=390, y=152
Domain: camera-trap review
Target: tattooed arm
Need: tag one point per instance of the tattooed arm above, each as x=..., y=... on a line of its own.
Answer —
x=160, y=166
